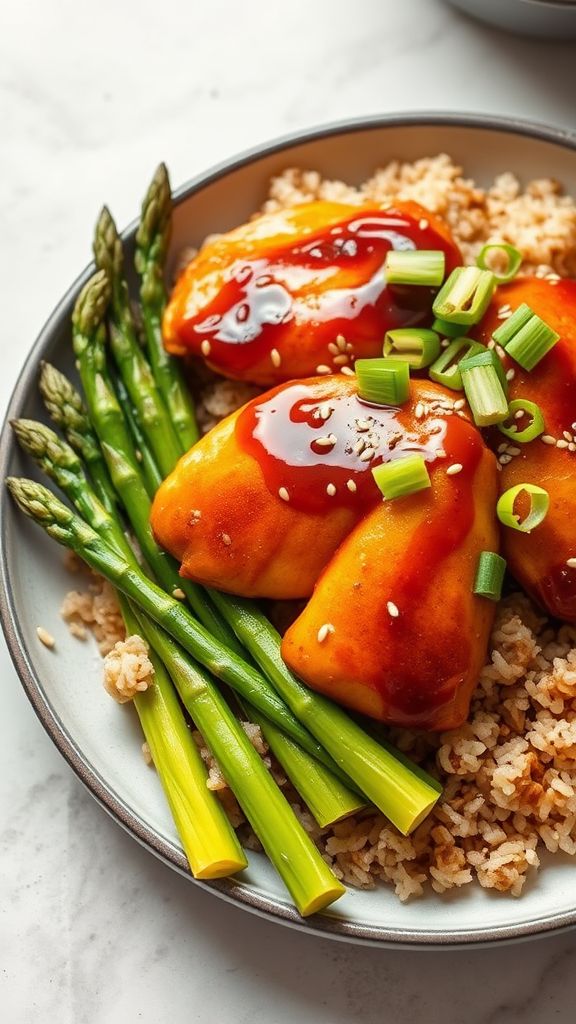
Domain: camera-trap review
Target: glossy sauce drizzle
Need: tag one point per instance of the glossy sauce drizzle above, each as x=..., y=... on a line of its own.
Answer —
x=329, y=282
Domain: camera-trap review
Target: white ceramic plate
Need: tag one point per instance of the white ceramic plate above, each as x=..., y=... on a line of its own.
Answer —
x=101, y=742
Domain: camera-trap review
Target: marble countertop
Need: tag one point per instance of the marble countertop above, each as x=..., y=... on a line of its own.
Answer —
x=93, y=930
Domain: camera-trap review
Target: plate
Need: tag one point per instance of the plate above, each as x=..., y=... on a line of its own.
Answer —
x=101, y=742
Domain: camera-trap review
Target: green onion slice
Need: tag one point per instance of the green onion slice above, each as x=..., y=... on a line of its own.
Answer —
x=528, y=433
x=485, y=387
x=489, y=575
x=539, y=502
x=513, y=256
x=415, y=266
x=446, y=369
x=526, y=337
x=417, y=346
x=383, y=381
x=464, y=297
x=447, y=330
x=402, y=476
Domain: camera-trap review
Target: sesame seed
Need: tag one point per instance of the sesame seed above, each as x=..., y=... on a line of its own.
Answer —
x=359, y=446
x=419, y=411
x=323, y=369
x=392, y=609
x=367, y=454
x=445, y=342
x=571, y=563
x=226, y=539
x=548, y=439
x=504, y=459
x=455, y=468
x=325, y=411
x=341, y=343
x=502, y=447
x=45, y=637
x=460, y=403
x=347, y=371
x=491, y=344
x=461, y=414
x=326, y=442
x=351, y=486
x=341, y=360
x=519, y=414
x=324, y=632
x=567, y=435
x=513, y=451
x=330, y=490
x=283, y=493
x=362, y=425
x=138, y=455
x=572, y=447
x=179, y=594
x=561, y=443
x=500, y=351
x=423, y=224
x=333, y=348
x=275, y=357
x=206, y=347
x=440, y=453
x=510, y=374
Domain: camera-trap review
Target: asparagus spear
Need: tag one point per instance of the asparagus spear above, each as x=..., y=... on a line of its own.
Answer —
x=61, y=523
x=405, y=795
x=209, y=841
x=150, y=472
x=66, y=408
x=306, y=875
x=152, y=240
x=132, y=364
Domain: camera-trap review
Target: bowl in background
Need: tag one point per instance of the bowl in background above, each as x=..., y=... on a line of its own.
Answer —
x=546, y=19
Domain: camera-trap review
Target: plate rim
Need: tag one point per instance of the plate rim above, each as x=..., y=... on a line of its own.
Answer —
x=237, y=893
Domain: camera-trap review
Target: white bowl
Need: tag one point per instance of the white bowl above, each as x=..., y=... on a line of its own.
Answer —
x=545, y=19
x=102, y=742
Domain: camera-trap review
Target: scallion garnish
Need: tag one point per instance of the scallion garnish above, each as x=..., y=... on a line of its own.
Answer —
x=526, y=337
x=415, y=266
x=489, y=575
x=446, y=369
x=383, y=381
x=464, y=297
x=447, y=330
x=528, y=433
x=485, y=387
x=402, y=476
x=513, y=257
x=539, y=502
x=416, y=346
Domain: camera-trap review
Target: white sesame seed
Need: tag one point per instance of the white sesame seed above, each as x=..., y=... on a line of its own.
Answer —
x=275, y=357
x=350, y=484
x=440, y=453
x=572, y=447
x=567, y=435
x=362, y=425
x=333, y=348
x=323, y=369
x=179, y=594
x=519, y=414
x=548, y=439
x=504, y=314
x=326, y=442
x=500, y=351
x=206, y=348
x=510, y=374
x=341, y=343
x=502, y=447
x=461, y=414
x=561, y=443
x=325, y=411
x=571, y=563
x=445, y=342
x=455, y=468
x=419, y=411
x=341, y=360
x=283, y=493
x=491, y=344
x=573, y=425
x=504, y=459
x=45, y=637
x=367, y=454
x=138, y=455
x=392, y=609
x=347, y=371
x=359, y=446
x=324, y=632
x=330, y=490
x=460, y=403
x=226, y=539
x=513, y=451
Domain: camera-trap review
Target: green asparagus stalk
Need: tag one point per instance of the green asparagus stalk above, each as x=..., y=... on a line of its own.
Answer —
x=404, y=795
x=66, y=527
x=209, y=841
x=67, y=410
x=306, y=875
x=59, y=461
x=149, y=469
x=152, y=240
x=131, y=362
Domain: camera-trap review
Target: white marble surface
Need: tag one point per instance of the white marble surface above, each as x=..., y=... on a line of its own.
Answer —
x=92, y=929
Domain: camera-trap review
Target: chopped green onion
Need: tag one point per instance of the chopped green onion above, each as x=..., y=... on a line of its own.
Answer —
x=447, y=330
x=383, y=381
x=534, y=428
x=539, y=502
x=513, y=256
x=485, y=387
x=489, y=575
x=446, y=369
x=526, y=337
x=464, y=297
x=415, y=266
x=417, y=346
x=401, y=477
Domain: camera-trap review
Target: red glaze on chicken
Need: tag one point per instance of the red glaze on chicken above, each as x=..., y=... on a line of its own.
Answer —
x=539, y=560
x=301, y=291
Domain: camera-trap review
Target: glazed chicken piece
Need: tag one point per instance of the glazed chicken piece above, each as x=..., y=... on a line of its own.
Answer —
x=301, y=291
x=280, y=497
x=539, y=560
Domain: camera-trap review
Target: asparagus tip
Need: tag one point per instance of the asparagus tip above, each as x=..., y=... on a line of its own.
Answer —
x=92, y=303
x=107, y=245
